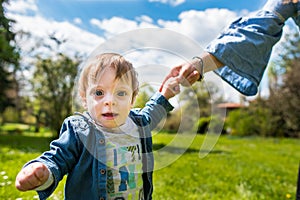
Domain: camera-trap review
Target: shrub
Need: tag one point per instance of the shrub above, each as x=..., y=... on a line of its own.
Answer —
x=250, y=121
x=214, y=123
x=172, y=123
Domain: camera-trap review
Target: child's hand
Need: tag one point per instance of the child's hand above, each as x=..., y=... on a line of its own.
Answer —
x=170, y=87
x=32, y=176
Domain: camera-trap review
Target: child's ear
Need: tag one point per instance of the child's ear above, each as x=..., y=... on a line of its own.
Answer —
x=133, y=100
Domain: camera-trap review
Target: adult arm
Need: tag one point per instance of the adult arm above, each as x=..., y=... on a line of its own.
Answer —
x=246, y=45
x=240, y=54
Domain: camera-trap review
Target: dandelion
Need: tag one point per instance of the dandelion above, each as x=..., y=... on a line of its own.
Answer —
x=288, y=196
x=2, y=173
x=5, y=177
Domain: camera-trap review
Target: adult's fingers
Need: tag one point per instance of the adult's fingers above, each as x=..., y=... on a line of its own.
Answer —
x=191, y=79
x=173, y=73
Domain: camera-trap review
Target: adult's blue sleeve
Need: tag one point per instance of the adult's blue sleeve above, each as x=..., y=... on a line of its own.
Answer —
x=245, y=46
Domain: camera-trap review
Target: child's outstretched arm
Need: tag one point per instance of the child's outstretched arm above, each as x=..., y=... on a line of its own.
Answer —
x=170, y=87
x=32, y=176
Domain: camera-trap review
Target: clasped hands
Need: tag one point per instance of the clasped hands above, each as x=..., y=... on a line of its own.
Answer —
x=186, y=74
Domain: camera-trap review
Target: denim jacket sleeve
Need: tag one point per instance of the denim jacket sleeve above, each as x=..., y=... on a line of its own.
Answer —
x=154, y=111
x=245, y=46
x=62, y=156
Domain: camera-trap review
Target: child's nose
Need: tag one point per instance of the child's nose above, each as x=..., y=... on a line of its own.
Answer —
x=109, y=100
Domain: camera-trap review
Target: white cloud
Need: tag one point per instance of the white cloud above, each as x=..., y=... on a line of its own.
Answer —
x=117, y=25
x=170, y=2
x=144, y=18
x=22, y=6
x=202, y=26
x=77, y=39
x=77, y=20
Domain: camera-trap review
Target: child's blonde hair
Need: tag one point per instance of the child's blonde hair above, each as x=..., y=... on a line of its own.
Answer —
x=95, y=66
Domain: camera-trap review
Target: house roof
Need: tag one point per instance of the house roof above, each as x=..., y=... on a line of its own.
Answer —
x=230, y=105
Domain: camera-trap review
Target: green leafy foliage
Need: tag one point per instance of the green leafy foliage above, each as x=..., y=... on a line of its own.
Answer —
x=250, y=121
x=53, y=83
x=9, y=60
x=284, y=96
x=144, y=94
x=211, y=124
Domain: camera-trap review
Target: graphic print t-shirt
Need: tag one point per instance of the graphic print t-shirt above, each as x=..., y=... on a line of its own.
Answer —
x=124, y=162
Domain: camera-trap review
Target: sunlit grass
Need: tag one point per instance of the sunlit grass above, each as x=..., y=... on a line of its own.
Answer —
x=237, y=168
x=24, y=129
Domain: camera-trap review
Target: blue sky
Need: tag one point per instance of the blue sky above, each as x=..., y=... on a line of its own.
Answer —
x=157, y=10
x=68, y=9
x=88, y=24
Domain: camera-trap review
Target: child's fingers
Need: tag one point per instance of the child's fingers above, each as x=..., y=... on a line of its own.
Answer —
x=25, y=180
x=173, y=85
x=170, y=87
x=41, y=171
x=31, y=177
x=173, y=73
x=176, y=89
x=173, y=80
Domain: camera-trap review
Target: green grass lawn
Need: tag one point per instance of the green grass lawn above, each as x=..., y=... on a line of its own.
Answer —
x=237, y=168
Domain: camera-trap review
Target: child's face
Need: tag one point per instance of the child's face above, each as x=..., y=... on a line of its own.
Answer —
x=109, y=100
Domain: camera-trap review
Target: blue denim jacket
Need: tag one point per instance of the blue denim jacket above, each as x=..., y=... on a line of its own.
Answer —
x=80, y=153
x=245, y=46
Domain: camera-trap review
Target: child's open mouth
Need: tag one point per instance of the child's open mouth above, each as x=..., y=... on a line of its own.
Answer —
x=109, y=115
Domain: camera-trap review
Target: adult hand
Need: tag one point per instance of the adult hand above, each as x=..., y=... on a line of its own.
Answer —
x=186, y=72
x=32, y=176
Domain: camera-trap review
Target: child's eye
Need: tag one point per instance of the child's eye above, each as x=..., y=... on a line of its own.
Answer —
x=98, y=92
x=122, y=93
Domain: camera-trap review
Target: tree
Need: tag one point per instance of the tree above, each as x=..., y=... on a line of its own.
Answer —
x=53, y=82
x=205, y=95
x=145, y=92
x=9, y=60
x=255, y=119
x=285, y=99
x=200, y=96
x=290, y=98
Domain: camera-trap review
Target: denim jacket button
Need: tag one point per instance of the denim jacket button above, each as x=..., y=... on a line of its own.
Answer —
x=101, y=141
x=102, y=171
